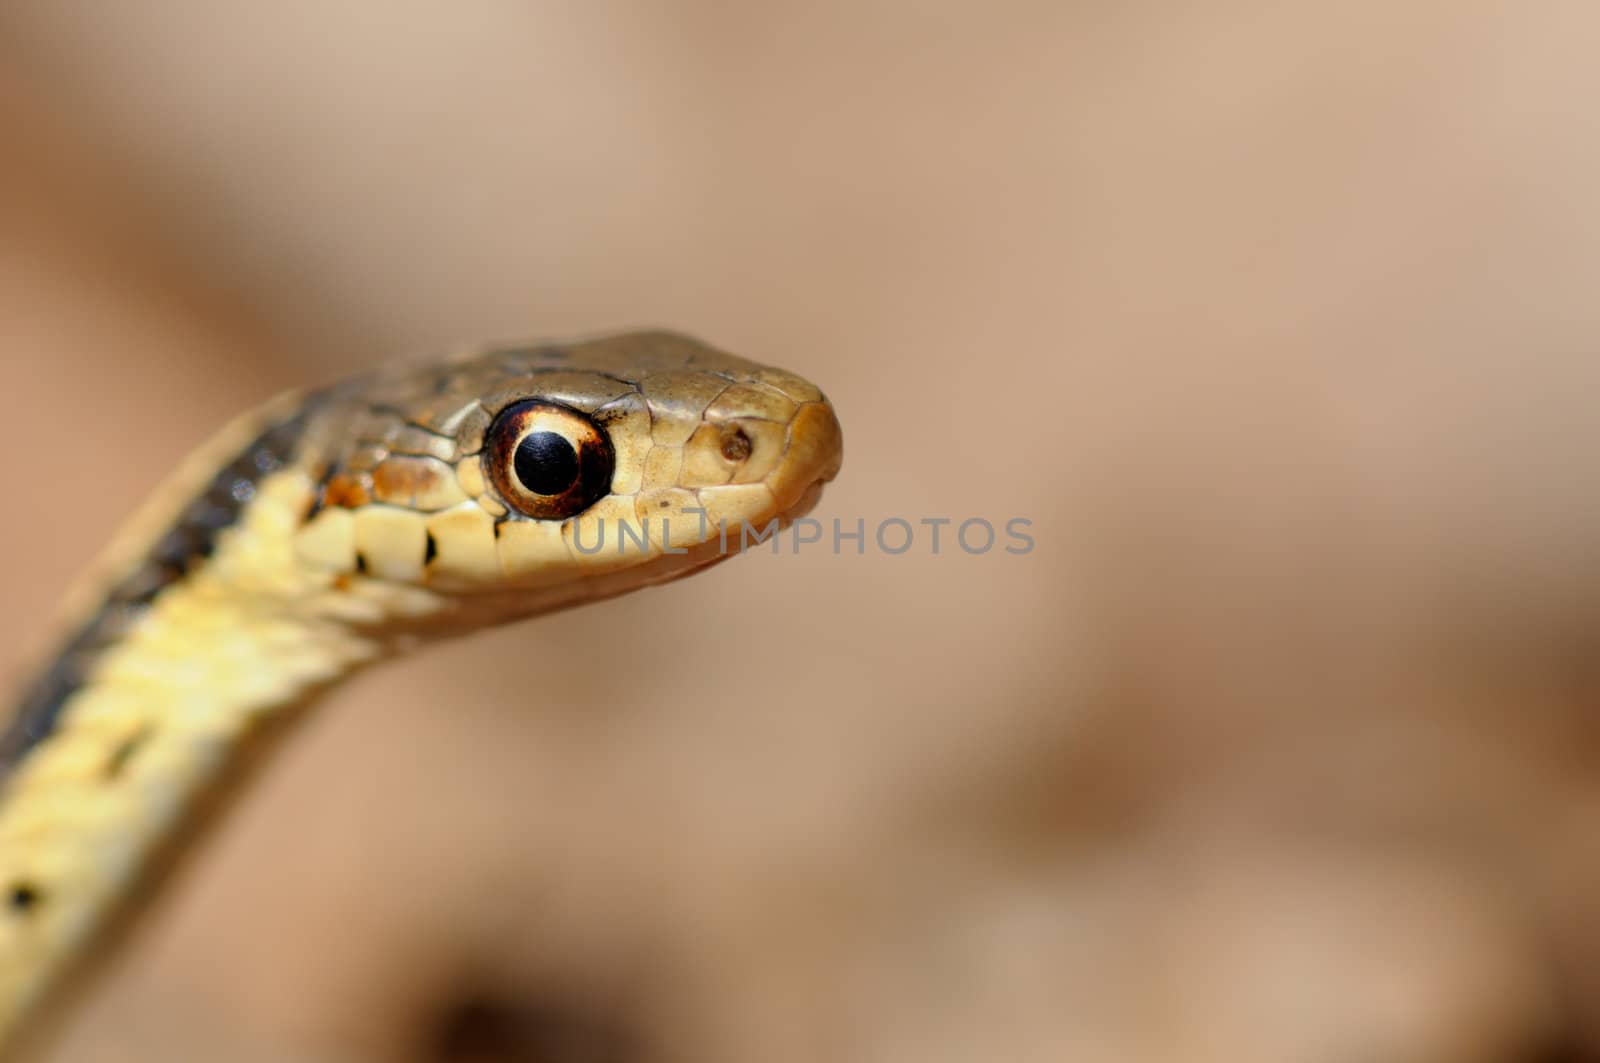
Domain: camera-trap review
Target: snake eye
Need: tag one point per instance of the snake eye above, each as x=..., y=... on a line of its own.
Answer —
x=547, y=461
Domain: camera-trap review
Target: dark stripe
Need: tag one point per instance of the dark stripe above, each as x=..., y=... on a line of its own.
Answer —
x=191, y=540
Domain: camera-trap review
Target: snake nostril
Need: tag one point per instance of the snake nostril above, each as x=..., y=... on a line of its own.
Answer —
x=736, y=445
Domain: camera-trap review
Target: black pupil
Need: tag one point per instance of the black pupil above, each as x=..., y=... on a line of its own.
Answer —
x=546, y=463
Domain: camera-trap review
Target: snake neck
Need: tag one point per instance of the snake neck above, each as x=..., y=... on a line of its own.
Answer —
x=147, y=727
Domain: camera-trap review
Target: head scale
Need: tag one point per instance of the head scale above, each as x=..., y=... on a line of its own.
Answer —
x=553, y=472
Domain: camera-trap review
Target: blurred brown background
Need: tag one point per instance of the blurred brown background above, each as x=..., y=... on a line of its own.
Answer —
x=1279, y=320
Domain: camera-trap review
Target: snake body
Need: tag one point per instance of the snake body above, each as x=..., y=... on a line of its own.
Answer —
x=329, y=530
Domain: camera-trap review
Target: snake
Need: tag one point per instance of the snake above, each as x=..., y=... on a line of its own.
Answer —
x=333, y=528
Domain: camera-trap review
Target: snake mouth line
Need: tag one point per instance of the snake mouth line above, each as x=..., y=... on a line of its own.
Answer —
x=804, y=504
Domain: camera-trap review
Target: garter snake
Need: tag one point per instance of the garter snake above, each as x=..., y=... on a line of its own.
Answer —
x=330, y=529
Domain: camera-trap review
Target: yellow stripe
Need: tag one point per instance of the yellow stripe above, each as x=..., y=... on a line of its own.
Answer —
x=248, y=632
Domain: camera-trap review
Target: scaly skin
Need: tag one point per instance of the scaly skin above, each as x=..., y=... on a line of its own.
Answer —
x=327, y=532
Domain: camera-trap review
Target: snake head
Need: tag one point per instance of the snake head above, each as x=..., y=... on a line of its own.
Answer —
x=540, y=475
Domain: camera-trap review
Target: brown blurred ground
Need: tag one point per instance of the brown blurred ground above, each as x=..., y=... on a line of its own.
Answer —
x=1279, y=320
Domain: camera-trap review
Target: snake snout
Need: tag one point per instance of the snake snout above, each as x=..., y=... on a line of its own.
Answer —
x=813, y=455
